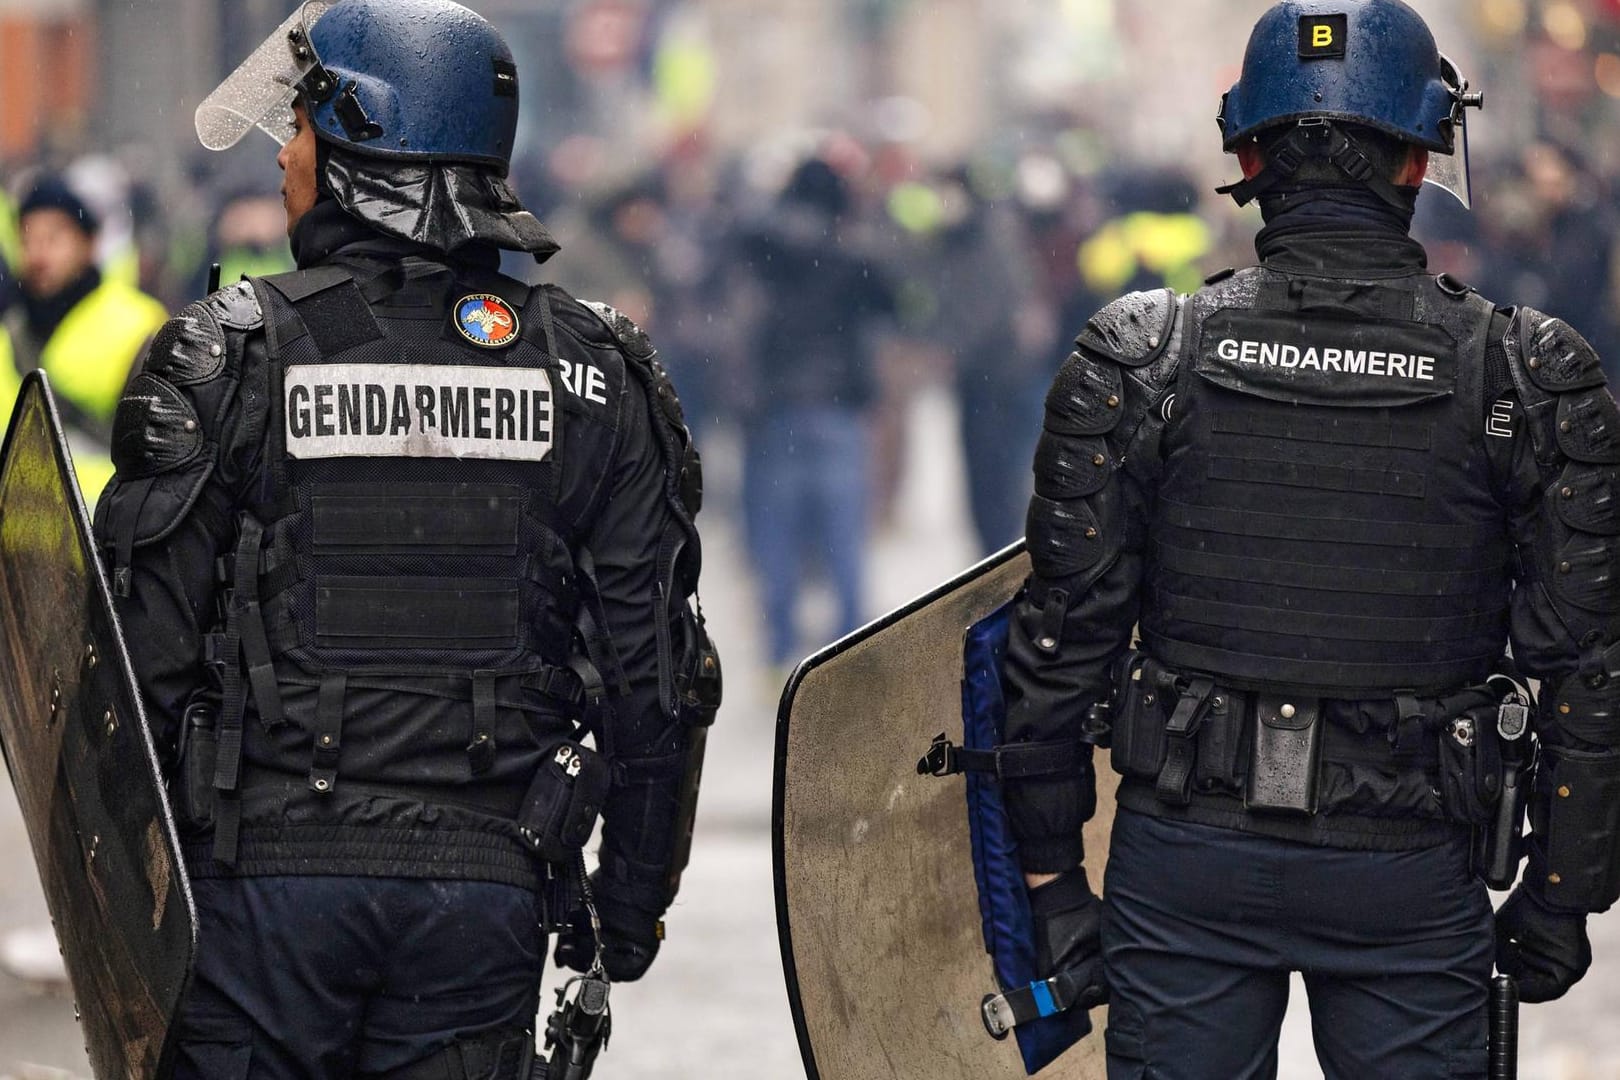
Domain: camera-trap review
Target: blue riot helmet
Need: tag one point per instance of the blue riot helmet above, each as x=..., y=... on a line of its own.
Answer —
x=416, y=104
x=1319, y=65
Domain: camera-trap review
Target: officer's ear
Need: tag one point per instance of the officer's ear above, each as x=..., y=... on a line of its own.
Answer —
x=1253, y=160
x=1414, y=168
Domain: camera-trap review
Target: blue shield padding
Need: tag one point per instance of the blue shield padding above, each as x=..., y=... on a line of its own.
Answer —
x=1009, y=935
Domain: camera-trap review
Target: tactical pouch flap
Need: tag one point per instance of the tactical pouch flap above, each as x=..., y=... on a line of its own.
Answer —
x=1285, y=754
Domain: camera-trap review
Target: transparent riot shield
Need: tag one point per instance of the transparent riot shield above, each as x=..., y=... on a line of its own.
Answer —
x=876, y=903
x=82, y=761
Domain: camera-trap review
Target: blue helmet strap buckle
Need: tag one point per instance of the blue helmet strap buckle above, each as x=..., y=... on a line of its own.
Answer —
x=1314, y=137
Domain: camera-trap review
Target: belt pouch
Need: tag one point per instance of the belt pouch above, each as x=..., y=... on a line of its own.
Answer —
x=1285, y=754
x=198, y=755
x=563, y=801
x=1139, y=742
x=1220, y=744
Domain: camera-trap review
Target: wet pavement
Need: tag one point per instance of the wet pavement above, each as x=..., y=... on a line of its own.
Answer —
x=714, y=1005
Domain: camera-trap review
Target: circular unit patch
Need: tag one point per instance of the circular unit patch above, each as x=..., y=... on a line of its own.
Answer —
x=486, y=320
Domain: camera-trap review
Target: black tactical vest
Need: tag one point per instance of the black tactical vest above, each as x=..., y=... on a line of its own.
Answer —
x=1325, y=519
x=415, y=579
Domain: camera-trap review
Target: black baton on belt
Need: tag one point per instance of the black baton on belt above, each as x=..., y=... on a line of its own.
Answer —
x=1504, y=1028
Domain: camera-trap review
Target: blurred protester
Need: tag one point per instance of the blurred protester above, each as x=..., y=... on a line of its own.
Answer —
x=10, y=252
x=806, y=443
x=983, y=275
x=1553, y=245
x=1155, y=240
x=83, y=331
x=249, y=239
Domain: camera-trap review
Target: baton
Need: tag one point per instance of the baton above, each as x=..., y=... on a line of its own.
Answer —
x=1504, y=1045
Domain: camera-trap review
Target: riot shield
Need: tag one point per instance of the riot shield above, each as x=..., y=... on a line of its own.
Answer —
x=82, y=761
x=876, y=904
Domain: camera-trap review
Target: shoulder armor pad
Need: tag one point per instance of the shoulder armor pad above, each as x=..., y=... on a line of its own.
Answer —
x=630, y=336
x=189, y=348
x=1133, y=330
x=1558, y=357
x=1589, y=498
x=236, y=307
x=1589, y=426
x=1086, y=396
x=156, y=429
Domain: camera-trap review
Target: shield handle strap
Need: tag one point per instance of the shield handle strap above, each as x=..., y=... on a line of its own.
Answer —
x=1041, y=998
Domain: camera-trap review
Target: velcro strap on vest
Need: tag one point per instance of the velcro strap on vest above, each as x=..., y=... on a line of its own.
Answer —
x=1175, y=779
x=417, y=518
x=328, y=732
x=330, y=306
x=124, y=535
x=481, y=747
x=242, y=618
x=1009, y=761
x=413, y=612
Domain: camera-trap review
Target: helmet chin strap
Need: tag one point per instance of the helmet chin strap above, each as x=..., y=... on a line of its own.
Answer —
x=1321, y=139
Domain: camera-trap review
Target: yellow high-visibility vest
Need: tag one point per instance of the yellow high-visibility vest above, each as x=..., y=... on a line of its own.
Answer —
x=88, y=360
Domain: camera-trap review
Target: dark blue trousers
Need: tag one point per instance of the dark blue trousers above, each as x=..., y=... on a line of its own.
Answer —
x=1202, y=927
x=322, y=978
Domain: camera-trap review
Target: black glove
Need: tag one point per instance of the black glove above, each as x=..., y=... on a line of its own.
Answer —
x=1546, y=951
x=1068, y=934
x=630, y=934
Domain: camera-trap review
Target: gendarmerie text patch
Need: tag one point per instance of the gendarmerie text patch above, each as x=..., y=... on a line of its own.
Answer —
x=418, y=410
x=1327, y=361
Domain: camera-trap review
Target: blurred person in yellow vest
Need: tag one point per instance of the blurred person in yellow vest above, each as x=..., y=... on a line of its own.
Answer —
x=83, y=330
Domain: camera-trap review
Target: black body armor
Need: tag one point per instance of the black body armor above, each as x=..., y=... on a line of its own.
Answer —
x=1331, y=491
x=397, y=532
x=1325, y=520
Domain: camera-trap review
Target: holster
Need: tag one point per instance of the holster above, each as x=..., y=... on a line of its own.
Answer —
x=1470, y=756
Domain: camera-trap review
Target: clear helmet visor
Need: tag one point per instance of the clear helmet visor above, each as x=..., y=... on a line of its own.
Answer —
x=1449, y=172
x=260, y=93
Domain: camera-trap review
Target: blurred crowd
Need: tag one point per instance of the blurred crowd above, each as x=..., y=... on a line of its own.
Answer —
x=802, y=294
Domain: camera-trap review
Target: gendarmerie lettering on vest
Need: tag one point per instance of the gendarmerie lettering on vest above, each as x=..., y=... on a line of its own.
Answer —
x=1390, y=364
x=418, y=410
x=1355, y=363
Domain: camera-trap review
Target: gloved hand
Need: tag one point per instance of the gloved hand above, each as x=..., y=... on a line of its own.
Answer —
x=1546, y=951
x=1068, y=934
x=630, y=935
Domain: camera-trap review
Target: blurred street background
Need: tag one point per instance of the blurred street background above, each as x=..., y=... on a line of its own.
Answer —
x=961, y=183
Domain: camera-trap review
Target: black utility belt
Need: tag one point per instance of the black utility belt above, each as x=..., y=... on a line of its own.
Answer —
x=1186, y=733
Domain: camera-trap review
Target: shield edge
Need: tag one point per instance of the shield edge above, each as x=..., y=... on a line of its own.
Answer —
x=36, y=382
x=784, y=929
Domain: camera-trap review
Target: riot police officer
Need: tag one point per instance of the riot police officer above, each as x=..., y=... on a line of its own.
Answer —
x=1332, y=490
x=390, y=535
